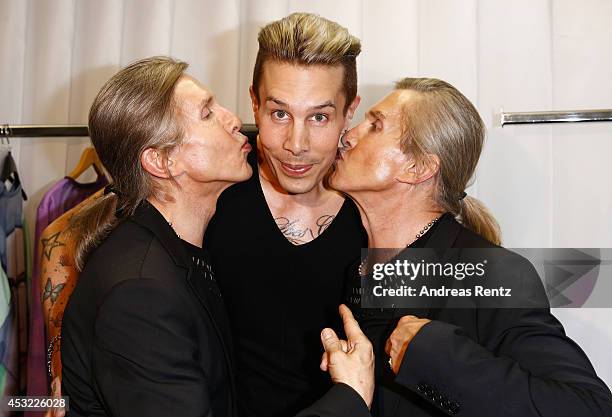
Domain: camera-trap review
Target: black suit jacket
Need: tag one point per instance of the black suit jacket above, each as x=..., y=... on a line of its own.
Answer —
x=140, y=336
x=486, y=362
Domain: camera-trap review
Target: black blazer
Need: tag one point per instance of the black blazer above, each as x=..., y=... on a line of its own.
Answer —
x=485, y=362
x=141, y=335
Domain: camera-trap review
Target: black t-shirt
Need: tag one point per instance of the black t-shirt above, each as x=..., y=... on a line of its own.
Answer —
x=279, y=297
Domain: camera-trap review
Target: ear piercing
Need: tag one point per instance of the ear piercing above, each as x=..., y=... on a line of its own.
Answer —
x=342, y=135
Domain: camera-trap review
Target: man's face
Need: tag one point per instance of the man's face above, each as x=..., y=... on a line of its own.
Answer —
x=372, y=158
x=300, y=114
x=213, y=150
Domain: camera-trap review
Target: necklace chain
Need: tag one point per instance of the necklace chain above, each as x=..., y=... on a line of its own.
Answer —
x=424, y=230
x=417, y=237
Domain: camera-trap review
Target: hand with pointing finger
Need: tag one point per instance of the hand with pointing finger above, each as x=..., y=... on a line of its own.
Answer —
x=349, y=361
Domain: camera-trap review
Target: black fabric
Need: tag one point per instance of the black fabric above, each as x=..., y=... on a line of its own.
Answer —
x=141, y=333
x=202, y=270
x=145, y=332
x=481, y=362
x=340, y=401
x=279, y=297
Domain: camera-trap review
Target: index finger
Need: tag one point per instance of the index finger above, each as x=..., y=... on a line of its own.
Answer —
x=351, y=327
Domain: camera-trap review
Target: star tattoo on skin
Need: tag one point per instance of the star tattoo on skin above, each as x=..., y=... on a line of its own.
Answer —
x=50, y=244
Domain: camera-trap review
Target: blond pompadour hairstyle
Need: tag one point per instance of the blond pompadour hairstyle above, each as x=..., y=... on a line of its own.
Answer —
x=309, y=39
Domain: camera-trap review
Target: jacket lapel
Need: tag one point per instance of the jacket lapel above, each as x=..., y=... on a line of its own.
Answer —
x=445, y=234
x=198, y=286
x=442, y=239
x=149, y=217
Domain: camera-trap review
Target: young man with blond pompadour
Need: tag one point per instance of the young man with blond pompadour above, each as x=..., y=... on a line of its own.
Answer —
x=282, y=241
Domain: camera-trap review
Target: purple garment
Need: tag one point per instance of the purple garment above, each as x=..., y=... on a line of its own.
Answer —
x=63, y=196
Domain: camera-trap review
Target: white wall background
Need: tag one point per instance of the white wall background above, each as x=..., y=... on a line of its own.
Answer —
x=549, y=186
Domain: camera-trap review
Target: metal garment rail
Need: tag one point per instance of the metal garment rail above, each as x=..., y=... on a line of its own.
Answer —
x=33, y=131
x=568, y=116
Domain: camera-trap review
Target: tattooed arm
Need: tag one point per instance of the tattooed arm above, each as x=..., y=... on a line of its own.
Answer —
x=57, y=269
x=58, y=278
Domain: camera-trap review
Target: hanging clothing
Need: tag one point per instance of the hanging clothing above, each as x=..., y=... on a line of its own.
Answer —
x=16, y=272
x=14, y=329
x=11, y=216
x=8, y=340
x=60, y=198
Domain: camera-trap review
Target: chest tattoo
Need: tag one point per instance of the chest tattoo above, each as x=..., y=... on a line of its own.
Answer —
x=299, y=234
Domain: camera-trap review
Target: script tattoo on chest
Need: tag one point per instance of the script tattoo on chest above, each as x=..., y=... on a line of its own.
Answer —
x=299, y=234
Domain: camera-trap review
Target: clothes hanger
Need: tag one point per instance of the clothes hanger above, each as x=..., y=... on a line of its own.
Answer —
x=9, y=170
x=89, y=158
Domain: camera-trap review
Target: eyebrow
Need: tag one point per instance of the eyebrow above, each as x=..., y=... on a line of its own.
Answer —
x=322, y=106
x=328, y=103
x=205, y=102
x=376, y=114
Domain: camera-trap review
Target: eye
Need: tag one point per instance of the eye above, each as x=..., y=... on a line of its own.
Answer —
x=280, y=114
x=206, y=113
x=376, y=125
x=320, y=118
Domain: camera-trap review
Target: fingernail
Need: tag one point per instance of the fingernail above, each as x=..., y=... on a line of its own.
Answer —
x=326, y=333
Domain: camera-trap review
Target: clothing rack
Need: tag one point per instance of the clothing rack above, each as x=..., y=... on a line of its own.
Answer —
x=32, y=131
x=517, y=118
x=250, y=130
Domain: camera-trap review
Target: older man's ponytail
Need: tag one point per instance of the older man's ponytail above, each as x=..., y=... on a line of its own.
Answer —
x=446, y=124
x=474, y=215
x=91, y=224
x=133, y=111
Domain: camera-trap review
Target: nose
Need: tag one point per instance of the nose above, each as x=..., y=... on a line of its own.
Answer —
x=230, y=121
x=298, y=141
x=349, y=139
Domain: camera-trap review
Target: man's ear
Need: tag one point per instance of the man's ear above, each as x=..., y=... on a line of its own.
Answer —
x=416, y=172
x=154, y=162
x=254, y=105
x=350, y=112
